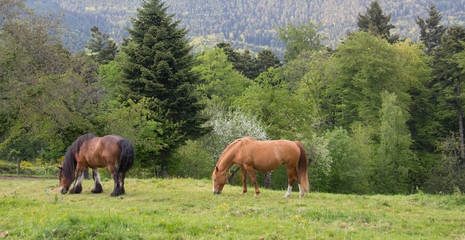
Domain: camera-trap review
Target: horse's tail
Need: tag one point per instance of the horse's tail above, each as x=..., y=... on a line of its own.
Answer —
x=302, y=168
x=69, y=165
x=69, y=160
x=127, y=155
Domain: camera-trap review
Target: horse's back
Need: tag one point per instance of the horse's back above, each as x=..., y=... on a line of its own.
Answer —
x=110, y=140
x=269, y=155
x=110, y=147
x=100, y=151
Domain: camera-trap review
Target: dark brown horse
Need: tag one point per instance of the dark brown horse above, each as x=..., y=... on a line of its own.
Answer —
x=87, y=151
x=249, y=155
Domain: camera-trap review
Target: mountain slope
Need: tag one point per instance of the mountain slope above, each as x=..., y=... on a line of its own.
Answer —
x=248, y=24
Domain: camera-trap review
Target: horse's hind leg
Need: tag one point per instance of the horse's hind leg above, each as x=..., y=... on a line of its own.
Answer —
x=290, y=179
x=77, y=188
x=98, y=186
x=122, y=175
x=301, y=191
x=117, y=189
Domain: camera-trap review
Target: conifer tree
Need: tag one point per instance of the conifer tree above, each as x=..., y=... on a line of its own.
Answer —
x=376, y=23
x=448, y=83
x=430, y=29
x=158, y=66
x=266, y=59
x=102, y=48
x=248, y=66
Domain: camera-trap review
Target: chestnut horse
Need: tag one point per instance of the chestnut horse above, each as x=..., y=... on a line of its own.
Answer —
x=249, y=155
x=88, y=150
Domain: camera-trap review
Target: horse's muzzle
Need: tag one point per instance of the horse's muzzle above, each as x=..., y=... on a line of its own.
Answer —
x=217, y=192
x=64, y=191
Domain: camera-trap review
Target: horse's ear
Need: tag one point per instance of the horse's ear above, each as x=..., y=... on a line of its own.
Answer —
x=60, y=167
x=216, y=168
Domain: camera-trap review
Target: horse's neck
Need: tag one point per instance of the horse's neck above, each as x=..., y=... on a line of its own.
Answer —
x=230, y=154
x=226, y=161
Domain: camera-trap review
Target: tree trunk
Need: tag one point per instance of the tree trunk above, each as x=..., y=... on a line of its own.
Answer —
x=155, y=172
x=19, y=165
x=233, y=173
x=459, y=107
x=268, y=180
x=459, y=110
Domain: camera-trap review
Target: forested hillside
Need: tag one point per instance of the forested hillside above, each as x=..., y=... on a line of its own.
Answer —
x=247, y=24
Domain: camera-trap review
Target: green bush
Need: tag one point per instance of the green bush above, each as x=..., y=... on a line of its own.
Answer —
x=28, y=169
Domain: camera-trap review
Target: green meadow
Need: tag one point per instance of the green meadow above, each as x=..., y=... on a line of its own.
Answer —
x=187, y=209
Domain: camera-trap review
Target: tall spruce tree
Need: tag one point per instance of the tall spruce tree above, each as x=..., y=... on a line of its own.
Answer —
x=101, y=47
x=158, y=66
x=448, y=83
x=431, y=31
x=248, y=66
x=376, y=23
x=266, y=59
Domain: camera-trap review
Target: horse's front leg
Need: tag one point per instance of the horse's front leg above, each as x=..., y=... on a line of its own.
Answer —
x=251, y=173
x=77, y=187
x=117, y=189
x=244, y=181
x=98, y=186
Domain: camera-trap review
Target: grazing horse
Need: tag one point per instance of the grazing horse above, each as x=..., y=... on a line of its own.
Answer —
x=96, y=152
x=249, y=155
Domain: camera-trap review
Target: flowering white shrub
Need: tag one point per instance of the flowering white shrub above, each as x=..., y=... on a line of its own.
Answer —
x=321, y=156
x=229, y=126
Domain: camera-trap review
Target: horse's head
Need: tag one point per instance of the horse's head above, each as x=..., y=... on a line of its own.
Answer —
x=64, y=182
x=219, y=180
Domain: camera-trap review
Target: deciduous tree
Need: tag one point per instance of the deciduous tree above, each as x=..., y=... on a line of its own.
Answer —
x=219, y=81
x=46, y=94
x=300, y=38
x=394, y=155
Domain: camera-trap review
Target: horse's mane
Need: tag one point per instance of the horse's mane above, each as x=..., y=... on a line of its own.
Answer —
x=69, y=162
x=226, y=150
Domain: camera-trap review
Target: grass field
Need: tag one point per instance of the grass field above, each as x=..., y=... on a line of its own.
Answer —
x=187, y=209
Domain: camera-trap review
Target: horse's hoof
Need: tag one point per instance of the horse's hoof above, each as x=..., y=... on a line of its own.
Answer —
x=76, y=190
x=113, y=194
x=96, y=191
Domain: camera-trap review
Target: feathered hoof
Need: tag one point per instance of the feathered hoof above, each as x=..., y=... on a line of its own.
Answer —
x=76, y=190
x=97, y=189
x=116, y=192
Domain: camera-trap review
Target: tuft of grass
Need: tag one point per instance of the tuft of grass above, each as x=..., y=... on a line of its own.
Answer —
x=187, y=209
